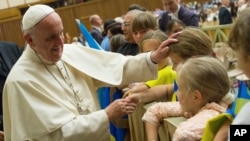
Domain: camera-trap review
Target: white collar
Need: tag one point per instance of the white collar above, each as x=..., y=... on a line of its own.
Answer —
x=175, y=14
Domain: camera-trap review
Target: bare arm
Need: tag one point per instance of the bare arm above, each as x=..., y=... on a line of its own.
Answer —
x=222, y=134
x=153, y=94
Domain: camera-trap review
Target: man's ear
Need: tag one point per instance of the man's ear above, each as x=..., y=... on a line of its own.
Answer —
x=28, y=39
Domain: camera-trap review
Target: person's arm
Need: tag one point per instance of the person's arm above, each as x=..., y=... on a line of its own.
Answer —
x=222, y=133
x=153, y=94
x=94, y=126
x=88, y=127
x=137, y=88
x=156, y=113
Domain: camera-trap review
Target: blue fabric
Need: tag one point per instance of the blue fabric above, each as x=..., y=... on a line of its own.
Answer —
x=175, y=86
x=242, y=97
x=117, y=132
x=105, y=43
x=175, y=89
x=89, y=39
x=104, y=96
x=214, y=124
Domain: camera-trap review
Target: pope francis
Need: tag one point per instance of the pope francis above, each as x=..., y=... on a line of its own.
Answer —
x=50, y=93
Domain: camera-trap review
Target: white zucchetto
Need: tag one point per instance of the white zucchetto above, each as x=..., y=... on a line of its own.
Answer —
x=34, y=15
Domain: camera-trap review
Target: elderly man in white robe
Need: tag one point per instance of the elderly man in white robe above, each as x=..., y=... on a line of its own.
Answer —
x=50, y=93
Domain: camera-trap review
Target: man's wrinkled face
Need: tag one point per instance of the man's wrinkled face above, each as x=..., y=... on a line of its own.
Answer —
x=47, y=38
x=126, y=28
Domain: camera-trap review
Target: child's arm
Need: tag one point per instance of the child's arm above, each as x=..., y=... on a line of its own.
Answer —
x=155, y=115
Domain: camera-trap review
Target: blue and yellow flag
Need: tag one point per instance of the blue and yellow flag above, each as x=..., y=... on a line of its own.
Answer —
x=120, y=129
x=104, y=93
x=213, y=125
x=242, y=97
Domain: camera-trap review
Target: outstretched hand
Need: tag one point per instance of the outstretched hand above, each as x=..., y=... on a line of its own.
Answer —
x=163, y=50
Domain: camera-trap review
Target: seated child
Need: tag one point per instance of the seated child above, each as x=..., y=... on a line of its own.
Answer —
x=166, y=75
x=239, y=42
x=192, y=42
x=201, y=95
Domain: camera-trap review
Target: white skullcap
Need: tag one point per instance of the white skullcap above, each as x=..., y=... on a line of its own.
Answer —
x=35, y=14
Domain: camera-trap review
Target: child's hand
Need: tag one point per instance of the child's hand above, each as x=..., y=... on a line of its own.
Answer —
x=188, y=114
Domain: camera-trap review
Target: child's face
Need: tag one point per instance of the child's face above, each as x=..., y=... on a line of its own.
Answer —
x=185, y=97
x=149, y=45
x=176, y=60
x=176, y=28
x=137, y=35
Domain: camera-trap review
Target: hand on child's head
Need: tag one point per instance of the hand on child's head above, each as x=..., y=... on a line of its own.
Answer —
x=174, y=35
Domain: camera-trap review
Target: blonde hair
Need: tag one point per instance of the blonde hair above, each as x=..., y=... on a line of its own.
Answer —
x=157, y=35
x=210, y=78
x=192, y=42
x=239, y=37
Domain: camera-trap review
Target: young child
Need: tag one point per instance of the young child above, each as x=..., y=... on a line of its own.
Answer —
x=192, y=42
x=174, y=26
x=149, y=42
x=239, y=41
x=200, y=99
x=142, y=23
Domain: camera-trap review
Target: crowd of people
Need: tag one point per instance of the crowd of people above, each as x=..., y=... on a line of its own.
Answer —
x=50, y=88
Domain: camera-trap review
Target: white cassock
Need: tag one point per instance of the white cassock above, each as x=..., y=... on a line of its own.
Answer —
x=40, y=105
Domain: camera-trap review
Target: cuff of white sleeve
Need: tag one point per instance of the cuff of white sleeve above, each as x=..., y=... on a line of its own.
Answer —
x=150, y=62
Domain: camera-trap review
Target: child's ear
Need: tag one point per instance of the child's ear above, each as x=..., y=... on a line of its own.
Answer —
x=197, y=96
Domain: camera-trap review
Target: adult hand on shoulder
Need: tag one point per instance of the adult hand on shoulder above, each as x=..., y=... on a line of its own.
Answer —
x=163, y=51
x=119, y=108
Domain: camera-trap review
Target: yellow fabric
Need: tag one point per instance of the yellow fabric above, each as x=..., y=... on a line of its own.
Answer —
x=213, y=126
x=174, y=97
x=240, y=103
x=165, y=76
x=112, y=138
